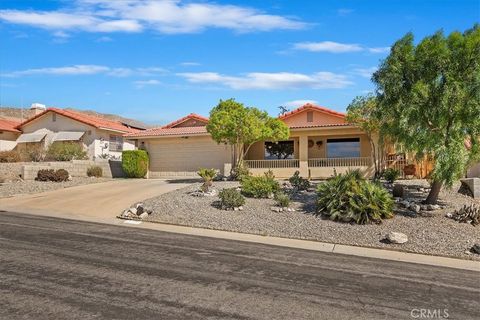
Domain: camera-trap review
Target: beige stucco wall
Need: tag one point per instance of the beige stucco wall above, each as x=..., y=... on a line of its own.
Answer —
x=474, y=171
x=92, y=139
x=179, y=157
x=7, y=140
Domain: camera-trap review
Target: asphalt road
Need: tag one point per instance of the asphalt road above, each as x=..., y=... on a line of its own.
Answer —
x=63, y=269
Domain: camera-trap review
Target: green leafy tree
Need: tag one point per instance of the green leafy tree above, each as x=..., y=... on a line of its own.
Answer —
x=429, y=100
x=239, y=126
x=361, y=112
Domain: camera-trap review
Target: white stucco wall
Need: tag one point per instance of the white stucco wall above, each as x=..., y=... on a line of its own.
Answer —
x=7, y=140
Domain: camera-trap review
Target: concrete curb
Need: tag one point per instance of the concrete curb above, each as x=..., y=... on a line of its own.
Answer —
x=317, y=246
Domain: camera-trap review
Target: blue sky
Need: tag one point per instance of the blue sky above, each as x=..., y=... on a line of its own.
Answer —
x=158, y=60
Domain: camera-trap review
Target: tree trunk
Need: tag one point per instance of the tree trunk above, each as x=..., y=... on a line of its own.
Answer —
x=432, y=197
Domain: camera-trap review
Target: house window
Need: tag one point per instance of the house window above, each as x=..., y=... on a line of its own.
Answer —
x=310, y=116
x=115, y=143
x=279, y=150
x=343, y=148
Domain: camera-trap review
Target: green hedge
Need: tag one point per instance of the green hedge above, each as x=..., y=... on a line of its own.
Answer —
x=135, y=163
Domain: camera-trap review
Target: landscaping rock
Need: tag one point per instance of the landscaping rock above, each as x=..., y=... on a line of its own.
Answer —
x=397, y=237
x=415, y=207
x=276, y=209
x=398, y=191
x=476, y=248
x=433, y=207
x=133, y=211
x=143, y=215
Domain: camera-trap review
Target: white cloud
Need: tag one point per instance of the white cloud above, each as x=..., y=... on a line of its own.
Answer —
x=327, y=46
x=190, y=64
x=104, y=39
x=142, y=83
x=365, y=72
x=88, y=69
x=279, y=80
x=379, y=50
x=336, y=47
x=165, y=16
x=298, y=103
x=343, y=12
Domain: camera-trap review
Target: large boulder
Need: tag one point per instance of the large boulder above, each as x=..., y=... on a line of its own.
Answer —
x=398, y=191
x=474, y=185
x=396, y=237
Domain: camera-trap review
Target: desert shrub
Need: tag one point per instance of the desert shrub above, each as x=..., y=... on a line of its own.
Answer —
x=349, y=197
x=282, y=199
x=207, y=175
x=391, y=174
x=135, y=163
x=9, y=156
x=260, y=187
x=66, y=151
x=95, y=171
x=35, y=153
x=240, y=172
x=231, y=198
x=298, y=182
x=51, y=175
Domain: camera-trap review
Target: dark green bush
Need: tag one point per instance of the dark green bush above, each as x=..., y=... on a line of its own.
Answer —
x=9, y=156
x=66, y=151
x=135, y=163
x=282, y=199
x=391, y=174
x=95, y=171
x=260, y=187
x=60, y=175
x=349, y=197
x=298, y=182
x=231, y=198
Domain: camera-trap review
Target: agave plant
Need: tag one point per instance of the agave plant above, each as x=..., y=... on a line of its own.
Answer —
x=349, y=197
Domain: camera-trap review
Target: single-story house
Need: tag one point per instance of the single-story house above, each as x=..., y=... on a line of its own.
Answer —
x=8, y=134
x=321, y=142
x=101, y=138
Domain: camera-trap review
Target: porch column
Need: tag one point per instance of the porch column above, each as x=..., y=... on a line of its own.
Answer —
x=303, y=155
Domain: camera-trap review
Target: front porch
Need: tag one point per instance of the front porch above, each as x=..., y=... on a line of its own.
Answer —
x=316, y=154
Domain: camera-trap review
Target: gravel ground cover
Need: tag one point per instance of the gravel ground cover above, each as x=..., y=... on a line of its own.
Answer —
x=429, y=233
x=8, y=189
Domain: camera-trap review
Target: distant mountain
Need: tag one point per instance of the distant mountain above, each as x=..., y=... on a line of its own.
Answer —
x=19, y=115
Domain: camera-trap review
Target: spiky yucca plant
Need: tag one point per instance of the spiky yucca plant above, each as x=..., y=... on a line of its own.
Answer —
x=349, y=197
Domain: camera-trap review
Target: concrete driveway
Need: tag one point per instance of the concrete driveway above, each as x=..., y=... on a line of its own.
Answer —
x=99, y=202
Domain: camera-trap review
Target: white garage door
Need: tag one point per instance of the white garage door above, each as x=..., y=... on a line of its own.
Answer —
x=183, y=157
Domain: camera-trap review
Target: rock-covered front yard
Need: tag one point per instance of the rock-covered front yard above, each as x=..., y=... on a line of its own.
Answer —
x=17, y=187
x=429, y=232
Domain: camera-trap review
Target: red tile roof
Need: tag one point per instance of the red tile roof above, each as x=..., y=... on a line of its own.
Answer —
x=9, y=125
x=321, y=125
x=171, y=130
x=193, y=116
x=310, y=106
x=97, y=122
x=159, y=132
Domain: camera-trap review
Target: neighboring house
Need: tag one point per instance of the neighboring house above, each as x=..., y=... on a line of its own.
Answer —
x=100, y=137
x=321, y=142
x=8, y=134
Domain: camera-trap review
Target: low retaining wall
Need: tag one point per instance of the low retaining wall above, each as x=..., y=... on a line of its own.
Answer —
x=76, y=168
